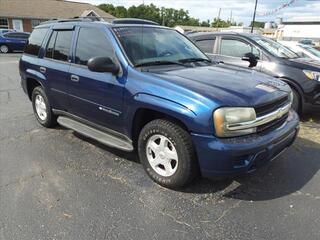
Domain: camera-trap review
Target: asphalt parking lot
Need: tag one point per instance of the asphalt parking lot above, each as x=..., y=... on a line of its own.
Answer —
x=56, y=184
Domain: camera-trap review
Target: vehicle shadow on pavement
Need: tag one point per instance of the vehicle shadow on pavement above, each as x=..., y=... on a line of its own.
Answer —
x=286, y=175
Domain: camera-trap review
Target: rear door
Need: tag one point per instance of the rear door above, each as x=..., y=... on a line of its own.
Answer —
x=55, y=66
x=94, y=96
x=231, y=50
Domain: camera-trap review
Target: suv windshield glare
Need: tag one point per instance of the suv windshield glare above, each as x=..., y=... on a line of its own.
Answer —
x=147, y=45
x=275, y=48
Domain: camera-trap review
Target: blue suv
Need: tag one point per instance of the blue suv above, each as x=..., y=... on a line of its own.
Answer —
x=136, y=85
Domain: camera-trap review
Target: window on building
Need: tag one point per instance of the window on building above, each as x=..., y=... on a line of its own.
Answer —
x=4, y=23
x=35, y=22
x=62, y=45
x=35, y=41
x=89, y=46
x=206, y=45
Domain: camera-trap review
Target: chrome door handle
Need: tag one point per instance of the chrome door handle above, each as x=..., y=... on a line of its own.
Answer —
x=75, y=78
x=43, y=69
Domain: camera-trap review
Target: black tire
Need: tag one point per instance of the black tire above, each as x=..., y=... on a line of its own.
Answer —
x=187, y=166
x=296, y=103
x=50, y=120
x=3, y=46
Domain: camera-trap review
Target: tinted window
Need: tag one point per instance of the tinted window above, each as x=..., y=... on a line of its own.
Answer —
x=206, y=45
x=92, y=43
x=50, y=47
x=17, y=35
x=35, y=41
x=235, y=48
x=62, y=45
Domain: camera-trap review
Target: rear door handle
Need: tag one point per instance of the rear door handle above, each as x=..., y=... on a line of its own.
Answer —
x=43, y=69
x=75, y=78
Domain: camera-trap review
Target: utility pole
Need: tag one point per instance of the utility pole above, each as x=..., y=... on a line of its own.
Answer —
x=254, y=16
x=231, y=17
x=219, y=13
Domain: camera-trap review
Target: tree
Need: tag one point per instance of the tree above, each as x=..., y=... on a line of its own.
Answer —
x=258, y=24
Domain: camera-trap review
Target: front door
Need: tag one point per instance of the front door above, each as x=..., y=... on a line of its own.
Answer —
x=233, y=49
x=94, y=96
x=17, y=25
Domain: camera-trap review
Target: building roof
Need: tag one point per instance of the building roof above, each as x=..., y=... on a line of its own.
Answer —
x=48, y=9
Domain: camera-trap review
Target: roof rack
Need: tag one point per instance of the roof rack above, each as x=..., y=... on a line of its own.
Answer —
x=75, y=19
x=133, y=21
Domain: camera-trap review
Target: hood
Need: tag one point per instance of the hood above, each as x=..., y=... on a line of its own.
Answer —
x=227, y=85
x=304, y=63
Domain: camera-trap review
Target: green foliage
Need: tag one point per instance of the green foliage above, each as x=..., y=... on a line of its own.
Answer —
x=219, y=23
x=258, y=24
x=165, y=16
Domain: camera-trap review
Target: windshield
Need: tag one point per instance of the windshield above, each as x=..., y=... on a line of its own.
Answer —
x=156, y=45
x=275, y=48
x=312, y=50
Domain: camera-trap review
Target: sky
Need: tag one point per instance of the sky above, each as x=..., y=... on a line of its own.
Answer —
x=242, y=10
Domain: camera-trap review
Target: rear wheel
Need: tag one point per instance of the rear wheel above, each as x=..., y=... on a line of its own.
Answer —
x=41, y=108
x=4, y=49
x=167, y=154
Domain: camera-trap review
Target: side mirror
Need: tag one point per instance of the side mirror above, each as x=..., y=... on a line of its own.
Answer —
x=251, y=58
x=103, y=64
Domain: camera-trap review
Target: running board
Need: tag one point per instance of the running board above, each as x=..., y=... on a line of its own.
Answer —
x=100, y=136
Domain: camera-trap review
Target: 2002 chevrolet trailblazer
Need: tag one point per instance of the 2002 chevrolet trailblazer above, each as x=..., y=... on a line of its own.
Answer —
x=147, y=87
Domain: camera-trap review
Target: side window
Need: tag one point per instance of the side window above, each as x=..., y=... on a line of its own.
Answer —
x=50, y=46
x=237, y=48
x=62, y=45
x=206, y=45
x=35, y=41
x=92, y=43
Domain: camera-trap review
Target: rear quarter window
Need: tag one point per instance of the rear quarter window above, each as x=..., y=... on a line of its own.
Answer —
x=35, y=41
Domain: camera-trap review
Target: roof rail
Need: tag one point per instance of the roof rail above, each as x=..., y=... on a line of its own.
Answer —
x=133, y=21
x=75, y=19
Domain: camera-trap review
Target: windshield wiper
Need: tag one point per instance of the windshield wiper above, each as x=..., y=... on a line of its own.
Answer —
x=188, y=60
x=156, y=63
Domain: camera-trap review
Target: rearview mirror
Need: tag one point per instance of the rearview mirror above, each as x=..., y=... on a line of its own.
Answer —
x=103, y=64
x=251, y=58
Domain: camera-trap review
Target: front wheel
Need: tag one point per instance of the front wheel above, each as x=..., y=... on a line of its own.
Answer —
x=167, y=154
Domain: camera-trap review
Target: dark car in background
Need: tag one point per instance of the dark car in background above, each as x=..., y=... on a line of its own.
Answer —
x=13, y=41
x=267, y=56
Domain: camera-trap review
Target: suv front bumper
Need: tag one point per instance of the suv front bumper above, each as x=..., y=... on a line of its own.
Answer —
x=220, y=157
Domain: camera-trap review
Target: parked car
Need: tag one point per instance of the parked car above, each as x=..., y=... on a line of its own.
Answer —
x=304, y=51
x=307, y=42
x=125, y=86
x=270, y=57
x=5, y=30
x=13, y=41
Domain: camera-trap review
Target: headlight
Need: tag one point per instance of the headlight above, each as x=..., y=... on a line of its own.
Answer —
x=312, y=75
x=291, y=97
x=225, y=116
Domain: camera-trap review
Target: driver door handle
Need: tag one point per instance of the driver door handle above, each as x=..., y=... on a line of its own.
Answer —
x=75, y=78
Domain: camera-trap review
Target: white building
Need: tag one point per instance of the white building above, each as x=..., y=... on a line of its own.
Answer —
x=299, y=28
